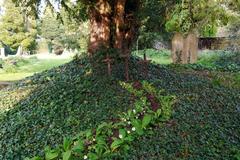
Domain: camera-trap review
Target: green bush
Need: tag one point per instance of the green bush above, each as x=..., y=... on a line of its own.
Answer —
x=215, y=61
x=12, y=64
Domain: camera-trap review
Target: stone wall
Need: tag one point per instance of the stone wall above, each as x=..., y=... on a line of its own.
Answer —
x=221, y=43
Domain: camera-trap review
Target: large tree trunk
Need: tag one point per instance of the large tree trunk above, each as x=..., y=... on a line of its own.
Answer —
x=100, y=23
x=119, y=24
x=112, y=25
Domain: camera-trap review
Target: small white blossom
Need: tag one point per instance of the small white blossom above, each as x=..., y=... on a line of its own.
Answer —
x=128, y=132
x=134, y=111
x=120, y=136
x=133, y=129
x=85, y=157
x=129, y=122
x=124, y=120
x=94, y=139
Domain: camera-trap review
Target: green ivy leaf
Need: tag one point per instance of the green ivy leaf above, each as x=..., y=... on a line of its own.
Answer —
x=67, y=143
x=122, y=132
x=34, y=158
x=100, y=140
x=146, y=120
x=116, y=144
x=92, y=156
x=78, y=147
x=67, y=155
x=138, y=125
x=51, y=154
x=88, y=133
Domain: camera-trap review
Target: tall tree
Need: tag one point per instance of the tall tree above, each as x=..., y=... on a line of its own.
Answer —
x=69, y=34
x=113, y=23
x=198, y=15
x=51, y=28
x=16, y=28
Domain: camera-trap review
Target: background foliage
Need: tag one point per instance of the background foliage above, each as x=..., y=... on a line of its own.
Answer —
x=17, y=29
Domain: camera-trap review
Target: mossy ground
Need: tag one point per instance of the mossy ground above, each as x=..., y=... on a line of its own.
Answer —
x=63, y=101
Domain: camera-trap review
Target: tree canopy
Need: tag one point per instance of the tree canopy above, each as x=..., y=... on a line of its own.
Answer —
x=18, y=31
x=69, y=34
x=199, y=15
x=117, y=23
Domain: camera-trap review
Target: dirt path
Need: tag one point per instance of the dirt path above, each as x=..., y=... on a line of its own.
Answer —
x=4, y=84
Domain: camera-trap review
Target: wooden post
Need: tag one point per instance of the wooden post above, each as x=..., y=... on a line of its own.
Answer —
x=108, y=60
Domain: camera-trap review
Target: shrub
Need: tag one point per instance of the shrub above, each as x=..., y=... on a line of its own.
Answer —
x=11, y=65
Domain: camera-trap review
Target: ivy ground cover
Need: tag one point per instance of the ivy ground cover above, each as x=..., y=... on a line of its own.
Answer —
x=64, y=101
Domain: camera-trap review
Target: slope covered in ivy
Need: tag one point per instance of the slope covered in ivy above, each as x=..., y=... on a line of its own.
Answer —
x=61, y=102
x=205, y=123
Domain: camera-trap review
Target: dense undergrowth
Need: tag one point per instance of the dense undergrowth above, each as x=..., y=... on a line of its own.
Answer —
x=221, y=61
x=43, y=109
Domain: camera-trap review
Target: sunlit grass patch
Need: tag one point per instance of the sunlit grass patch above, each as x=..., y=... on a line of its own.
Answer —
x=19, y=68
x=157, y=56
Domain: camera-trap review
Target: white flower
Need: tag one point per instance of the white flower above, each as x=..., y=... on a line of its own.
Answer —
x=94, y=139
x=133, y=129
x=128, y=132
x=85, y=157
x=120, y=136
x=124, y=120
x=129, y=122
x=134, y=111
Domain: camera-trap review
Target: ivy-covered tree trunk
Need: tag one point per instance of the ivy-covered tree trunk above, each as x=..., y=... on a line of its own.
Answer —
x=113, y=25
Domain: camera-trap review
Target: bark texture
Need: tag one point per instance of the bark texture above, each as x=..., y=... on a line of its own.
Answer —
x=113, y=24
x=100, y=20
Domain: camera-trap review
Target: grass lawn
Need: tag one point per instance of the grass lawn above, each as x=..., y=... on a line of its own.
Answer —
x=159, y=57
x=219, y=66
x=28, y=67
x=14, y=76
x=43, y=109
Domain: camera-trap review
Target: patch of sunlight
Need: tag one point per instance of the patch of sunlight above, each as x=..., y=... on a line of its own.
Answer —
x=14, y=76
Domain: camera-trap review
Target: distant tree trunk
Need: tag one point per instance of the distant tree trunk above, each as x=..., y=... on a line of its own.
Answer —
x=113, y=25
